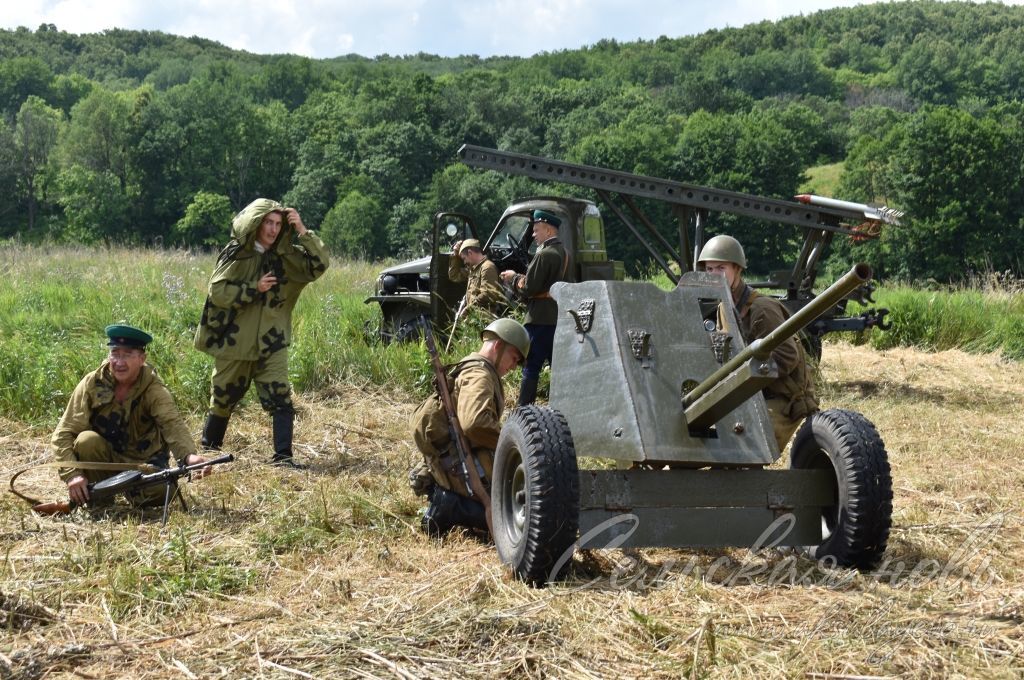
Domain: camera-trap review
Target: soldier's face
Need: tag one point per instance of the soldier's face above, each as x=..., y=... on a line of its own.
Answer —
x=510, y=358
x=728, y=269
x=270, y=227
x=126, y=364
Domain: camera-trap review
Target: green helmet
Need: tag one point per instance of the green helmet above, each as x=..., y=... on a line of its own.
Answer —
x=723, y=249
x=511, y=332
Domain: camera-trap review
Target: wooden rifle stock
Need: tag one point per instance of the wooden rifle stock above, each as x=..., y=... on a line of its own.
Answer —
x=469, y=463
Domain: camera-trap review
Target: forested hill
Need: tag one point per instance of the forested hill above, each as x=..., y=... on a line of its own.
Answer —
x=134, y=136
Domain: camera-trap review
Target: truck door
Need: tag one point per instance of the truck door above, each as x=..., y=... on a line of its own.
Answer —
x=445, y=293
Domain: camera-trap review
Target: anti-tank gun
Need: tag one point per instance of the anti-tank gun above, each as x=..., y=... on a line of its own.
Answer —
x=643, y=377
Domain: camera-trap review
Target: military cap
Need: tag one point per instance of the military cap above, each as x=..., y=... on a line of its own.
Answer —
x=545, y=216
x=723, y=248
x=120, y=335
x=469, y=243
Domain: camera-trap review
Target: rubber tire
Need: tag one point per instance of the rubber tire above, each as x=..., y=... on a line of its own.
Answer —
x=535, y=493
x=856, y=530
x=410, y=331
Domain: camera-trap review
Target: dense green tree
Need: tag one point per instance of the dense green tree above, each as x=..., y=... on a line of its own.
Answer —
x=21, y=78
x=355, y=226
x=35, y=137
x=207, y=220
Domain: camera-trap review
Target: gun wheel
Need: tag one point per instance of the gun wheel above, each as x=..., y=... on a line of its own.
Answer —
x=535, y=493
x=855, y=530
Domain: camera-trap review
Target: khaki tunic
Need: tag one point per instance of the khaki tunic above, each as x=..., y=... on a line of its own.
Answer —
x=238, y=321
x=144, y=428
x=791, y=396
x=479, y=400
x=483, y=285
x=547, y=267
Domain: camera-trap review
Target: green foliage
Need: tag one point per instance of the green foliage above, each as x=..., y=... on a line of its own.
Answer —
x=206, y=220
x=919, y=102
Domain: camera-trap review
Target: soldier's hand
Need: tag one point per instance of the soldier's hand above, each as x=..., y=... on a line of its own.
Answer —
x=196, y=459
x=507, y=275
x=78, y=489
x=266, y=282
x=295, y=220
x=455, y=247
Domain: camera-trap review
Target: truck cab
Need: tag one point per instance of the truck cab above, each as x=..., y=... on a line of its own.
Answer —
x=421, y=288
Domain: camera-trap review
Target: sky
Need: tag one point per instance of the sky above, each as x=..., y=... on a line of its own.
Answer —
x=323, y=29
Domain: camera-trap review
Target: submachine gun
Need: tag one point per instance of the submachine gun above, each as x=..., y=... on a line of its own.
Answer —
x=821, y=218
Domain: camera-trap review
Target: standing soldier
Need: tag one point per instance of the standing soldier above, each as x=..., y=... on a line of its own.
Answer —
x=247, y=319
x=484, y=294
x=121, y=413
x=790, y=398
x=547, y=267
x=479, y=399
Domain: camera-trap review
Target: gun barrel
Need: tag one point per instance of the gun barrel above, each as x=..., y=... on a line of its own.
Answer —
x=763, y=347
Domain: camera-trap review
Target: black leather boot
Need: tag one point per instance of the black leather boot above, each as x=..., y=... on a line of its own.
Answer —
x=527, y=391
x=448, y=510
x=284, y=424
x=213, y=432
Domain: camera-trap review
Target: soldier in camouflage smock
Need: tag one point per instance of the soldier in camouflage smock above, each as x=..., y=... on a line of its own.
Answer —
x=121, y=413
x=247, y=319
x=790, y=398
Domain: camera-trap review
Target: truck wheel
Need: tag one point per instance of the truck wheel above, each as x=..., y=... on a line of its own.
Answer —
x=535, y=493
x=410, y=331
x=856, y=529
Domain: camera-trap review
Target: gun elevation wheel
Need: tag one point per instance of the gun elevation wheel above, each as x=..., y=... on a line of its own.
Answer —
x=535, y=493
x=855, y=530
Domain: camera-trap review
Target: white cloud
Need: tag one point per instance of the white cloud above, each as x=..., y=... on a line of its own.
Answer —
x=329, y=28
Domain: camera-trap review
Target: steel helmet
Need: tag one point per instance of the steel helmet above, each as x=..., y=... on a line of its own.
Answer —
x=723, y=248
x=511, y=331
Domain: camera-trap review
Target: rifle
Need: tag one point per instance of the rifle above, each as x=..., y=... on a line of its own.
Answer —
x=469, y=463
x=130, y=480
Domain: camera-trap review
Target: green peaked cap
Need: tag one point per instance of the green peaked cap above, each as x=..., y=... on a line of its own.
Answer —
x=545, y=216
x=120, y=335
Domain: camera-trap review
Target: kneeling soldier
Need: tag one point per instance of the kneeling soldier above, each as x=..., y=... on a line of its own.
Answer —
x=479, y=400
x=121, y=413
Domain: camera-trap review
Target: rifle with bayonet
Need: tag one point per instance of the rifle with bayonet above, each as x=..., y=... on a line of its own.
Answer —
x=470, y=472
x=126, y=482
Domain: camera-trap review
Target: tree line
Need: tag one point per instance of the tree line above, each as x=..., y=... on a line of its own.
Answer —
x=141, y=137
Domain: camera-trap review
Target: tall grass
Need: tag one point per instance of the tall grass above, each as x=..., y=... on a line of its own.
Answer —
x=55, y=302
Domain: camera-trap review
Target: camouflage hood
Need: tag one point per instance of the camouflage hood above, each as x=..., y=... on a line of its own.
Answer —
x=246, y=224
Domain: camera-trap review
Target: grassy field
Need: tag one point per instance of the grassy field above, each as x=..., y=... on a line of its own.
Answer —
x=324, y=573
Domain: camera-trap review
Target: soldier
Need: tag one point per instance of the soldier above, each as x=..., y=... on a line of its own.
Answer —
x=547, y=267
x=247, y=319
x=790, y=398
x=121, y=413
x=479, y=400
x=484, y=294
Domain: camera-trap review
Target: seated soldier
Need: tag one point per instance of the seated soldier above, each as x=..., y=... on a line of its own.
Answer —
x=479, y=399
x=790, y=398
x=484, y=294
x=121, y=413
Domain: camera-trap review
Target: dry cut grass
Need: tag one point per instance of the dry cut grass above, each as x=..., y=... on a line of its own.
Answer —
x=324, y=573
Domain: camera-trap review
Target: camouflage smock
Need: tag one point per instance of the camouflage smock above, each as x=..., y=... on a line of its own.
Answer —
x=239, y=322
x=483, y=287
x=146, y=423
x=759, y=316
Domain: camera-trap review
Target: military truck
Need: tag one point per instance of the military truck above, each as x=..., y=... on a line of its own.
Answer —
x=421, y=288
x=652, y=384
